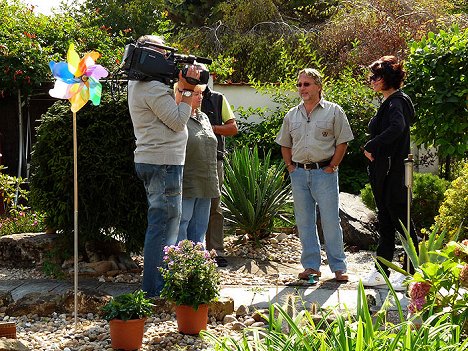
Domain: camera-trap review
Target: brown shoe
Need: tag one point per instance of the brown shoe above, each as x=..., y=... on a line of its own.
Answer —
x=340, y=276
x=308, y=271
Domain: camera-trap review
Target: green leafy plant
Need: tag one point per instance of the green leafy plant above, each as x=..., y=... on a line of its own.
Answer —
x=342, y=331
x=190, y=274
x=17, y=216
x=441, y=273
x=128, y=306
x=441, y=286
x=453, y=210
x=437, y=66
x=254, y=192
x=112, y=200
x=367, y=197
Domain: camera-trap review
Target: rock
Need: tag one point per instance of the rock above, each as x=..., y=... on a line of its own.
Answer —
x=242, y=310
x=358, y=222
x=5, y=298
x=101, y=267
x=42, y=304
x=249, y=321
x=258, y=325
x=260, y=315
x=281, y=236
x=89, y=301
x=229, y=319
x=237, y=326
x=219, y=309
x=25, y=250
x=12, y=345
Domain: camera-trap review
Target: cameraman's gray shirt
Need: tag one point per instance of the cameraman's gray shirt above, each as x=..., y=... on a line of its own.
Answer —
x=159, y=124
x=313, y=137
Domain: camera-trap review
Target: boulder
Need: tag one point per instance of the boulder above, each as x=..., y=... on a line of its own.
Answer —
x=358, y=222
x=12, y=345
x=25, y=250
x=42, y=304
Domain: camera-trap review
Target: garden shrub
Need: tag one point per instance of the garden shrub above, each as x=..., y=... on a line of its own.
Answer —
x=428, y=193
x=454, y=208
x=15, y=215
x=112, y=200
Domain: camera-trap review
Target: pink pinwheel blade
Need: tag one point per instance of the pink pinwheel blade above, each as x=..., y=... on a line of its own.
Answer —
x=97, y=72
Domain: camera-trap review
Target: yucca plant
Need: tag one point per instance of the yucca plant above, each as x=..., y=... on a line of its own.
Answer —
x=254, y=192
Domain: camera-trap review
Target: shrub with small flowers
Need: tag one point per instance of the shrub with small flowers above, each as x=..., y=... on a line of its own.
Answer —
x=190, y=274
x=14, y=216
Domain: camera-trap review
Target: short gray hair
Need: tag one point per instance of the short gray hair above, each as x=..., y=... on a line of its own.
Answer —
x=154, y=39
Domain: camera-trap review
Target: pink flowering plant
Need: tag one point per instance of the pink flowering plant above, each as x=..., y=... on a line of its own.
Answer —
x=441, y=285
x=190, y=274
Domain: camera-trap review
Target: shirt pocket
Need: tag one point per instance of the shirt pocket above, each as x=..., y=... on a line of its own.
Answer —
x=324, y=130
x=295, y=129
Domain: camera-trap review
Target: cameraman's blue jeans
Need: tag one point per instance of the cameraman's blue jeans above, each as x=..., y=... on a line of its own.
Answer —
x=163, y=184
x=311, y=188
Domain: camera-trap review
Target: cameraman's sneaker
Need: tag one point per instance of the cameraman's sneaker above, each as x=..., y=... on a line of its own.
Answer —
x=374, y=279
x=398, y=281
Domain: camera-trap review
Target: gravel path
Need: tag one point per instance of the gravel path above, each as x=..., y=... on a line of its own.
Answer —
x=58, y=332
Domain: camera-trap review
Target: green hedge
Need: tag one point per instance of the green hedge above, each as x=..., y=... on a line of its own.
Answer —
x=112, y=199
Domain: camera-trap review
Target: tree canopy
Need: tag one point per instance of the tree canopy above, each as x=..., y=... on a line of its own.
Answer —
x=438, y=83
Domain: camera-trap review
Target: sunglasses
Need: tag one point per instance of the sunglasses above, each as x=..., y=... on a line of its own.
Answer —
x=374, y=78
x=306, y=84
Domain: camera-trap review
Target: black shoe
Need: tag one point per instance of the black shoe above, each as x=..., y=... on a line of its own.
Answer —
x=221, y=261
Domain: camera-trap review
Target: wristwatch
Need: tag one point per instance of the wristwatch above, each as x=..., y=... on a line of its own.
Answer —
x=187, y=93
x=335, y=168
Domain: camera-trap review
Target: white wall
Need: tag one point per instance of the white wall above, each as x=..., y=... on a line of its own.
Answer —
x=244, y=95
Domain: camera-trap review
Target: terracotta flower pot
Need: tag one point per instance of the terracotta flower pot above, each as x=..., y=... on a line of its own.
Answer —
x=127, y=335
x=8, y=330
x=191, y=321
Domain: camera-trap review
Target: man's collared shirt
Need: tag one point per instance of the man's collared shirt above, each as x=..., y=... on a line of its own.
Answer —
x=313, y=137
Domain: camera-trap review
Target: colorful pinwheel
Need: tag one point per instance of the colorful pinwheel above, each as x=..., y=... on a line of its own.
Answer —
x=78, y=80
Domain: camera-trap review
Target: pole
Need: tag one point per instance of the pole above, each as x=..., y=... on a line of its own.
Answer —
x=20, y=145
x=75, y=231
x=409, y=163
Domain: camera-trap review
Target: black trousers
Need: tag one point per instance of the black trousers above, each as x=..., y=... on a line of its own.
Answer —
x=390, y=194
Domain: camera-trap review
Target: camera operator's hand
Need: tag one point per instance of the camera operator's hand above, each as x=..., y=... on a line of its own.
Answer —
x=192, y=72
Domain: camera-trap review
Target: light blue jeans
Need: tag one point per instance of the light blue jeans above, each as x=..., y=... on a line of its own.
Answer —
x=311, y=188
x=163, y=184
x=195, y=217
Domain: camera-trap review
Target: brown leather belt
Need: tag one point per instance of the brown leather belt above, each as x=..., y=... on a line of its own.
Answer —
x=313, y=165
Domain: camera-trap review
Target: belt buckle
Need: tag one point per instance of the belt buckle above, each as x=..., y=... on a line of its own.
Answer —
x=307, y=166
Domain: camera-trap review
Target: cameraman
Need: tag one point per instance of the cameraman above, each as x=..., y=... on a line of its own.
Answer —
x=160, y=127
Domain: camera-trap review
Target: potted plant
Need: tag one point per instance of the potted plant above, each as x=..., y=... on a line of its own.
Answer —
x=191, y=281
x=127, y=314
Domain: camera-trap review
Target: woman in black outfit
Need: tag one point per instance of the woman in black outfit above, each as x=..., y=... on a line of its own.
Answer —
x=386, y=150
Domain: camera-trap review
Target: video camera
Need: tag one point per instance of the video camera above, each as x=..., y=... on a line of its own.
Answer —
x=143, y=61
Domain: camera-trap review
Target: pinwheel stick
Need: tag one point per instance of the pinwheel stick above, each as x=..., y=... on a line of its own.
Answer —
x=75, y=218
